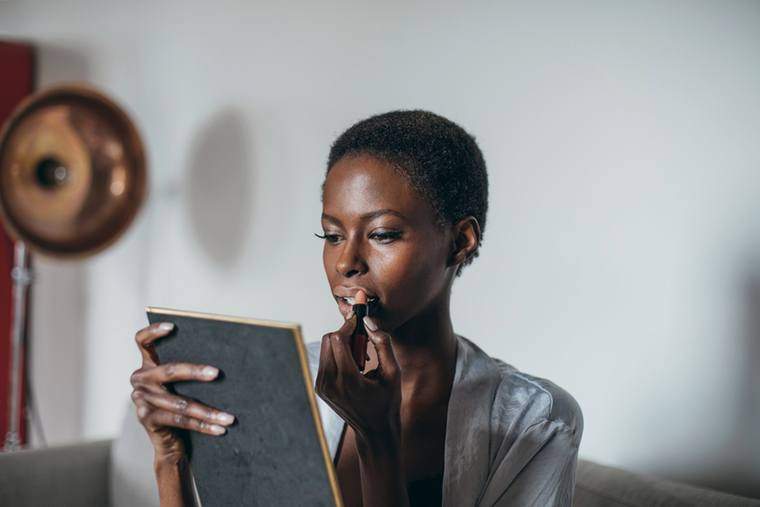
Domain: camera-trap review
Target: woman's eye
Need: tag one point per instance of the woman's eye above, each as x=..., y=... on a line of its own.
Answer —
x=386, y=237
x=331, y=238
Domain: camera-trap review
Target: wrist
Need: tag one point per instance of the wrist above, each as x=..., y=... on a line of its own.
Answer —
x=169, y=462
x=174, y=481
x=384, y=442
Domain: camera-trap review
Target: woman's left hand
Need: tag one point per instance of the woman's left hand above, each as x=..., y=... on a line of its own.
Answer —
x=371, y=402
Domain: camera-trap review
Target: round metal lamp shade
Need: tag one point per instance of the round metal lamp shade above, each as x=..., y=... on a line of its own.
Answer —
x=72, y=171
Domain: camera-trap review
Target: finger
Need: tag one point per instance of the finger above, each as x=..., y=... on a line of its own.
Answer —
x=174, y=372
x=348, y=327
x=344, y=358
x=183, y=406
x=157, y=418
x=328, y=369
x=387, y=364
x=145, y=338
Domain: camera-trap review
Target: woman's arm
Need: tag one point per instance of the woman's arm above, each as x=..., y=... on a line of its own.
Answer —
x=161, y=413
x=371, y=404
x=174, y=483
x=382, y=470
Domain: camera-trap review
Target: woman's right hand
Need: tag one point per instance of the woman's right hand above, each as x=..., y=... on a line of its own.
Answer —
x=161, y=412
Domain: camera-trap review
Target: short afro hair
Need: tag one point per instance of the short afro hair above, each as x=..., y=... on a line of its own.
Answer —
x=441, y=161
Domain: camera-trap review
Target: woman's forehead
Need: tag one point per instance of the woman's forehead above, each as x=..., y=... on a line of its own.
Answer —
x=360, y=184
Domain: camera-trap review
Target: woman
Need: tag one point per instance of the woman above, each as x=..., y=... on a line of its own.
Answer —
x=434, y=420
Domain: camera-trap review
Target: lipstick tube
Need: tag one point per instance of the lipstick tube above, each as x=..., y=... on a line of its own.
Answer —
x=359, y=336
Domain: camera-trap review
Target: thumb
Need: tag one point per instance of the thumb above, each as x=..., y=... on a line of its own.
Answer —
x=382, y=341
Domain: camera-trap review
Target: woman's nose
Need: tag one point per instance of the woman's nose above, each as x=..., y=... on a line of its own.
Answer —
x=351, y=261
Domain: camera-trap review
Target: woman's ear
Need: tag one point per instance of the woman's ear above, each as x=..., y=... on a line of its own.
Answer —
x=465, y=240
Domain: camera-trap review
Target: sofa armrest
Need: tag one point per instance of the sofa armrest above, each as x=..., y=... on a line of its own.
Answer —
x=66, y=475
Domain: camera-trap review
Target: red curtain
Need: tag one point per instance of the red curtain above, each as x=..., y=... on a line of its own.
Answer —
x=17, y=71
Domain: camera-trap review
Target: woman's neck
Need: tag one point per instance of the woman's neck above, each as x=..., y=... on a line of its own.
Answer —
x=426, y=348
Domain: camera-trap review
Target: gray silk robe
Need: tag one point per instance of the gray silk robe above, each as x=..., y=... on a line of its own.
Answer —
x=511, y=438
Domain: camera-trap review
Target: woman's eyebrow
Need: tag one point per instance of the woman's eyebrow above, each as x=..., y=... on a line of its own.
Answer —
x=366, y=216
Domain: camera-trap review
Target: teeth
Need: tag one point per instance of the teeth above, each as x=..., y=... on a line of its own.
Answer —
x=352, y=301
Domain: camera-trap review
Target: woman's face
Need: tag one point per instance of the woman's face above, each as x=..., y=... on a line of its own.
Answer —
x=381, y=237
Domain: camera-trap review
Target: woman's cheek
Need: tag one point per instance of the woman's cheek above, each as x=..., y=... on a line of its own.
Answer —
x=407, y=284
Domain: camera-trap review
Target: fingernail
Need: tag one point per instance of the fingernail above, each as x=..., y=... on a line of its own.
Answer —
x=370, y=323
x=210, y=372
x=219, y=430
x=166, y=326
x=350, y=315
x=225, y=418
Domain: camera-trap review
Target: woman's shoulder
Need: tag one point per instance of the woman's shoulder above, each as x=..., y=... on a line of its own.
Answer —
x=549, y=400
x=521, y=399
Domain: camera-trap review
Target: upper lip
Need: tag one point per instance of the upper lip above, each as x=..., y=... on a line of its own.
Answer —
x=350, y=292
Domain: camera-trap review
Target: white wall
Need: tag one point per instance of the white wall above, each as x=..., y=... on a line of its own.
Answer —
x=622, y=252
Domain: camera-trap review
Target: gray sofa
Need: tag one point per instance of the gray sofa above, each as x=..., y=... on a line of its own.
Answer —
x=118, y=473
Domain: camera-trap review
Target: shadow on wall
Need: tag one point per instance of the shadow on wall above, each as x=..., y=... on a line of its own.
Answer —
x=748, y=434
x=218, y=186
x=745, y=444
x=57, y=349
x=738, y=471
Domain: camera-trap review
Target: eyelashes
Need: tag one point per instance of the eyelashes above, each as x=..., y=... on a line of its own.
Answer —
x=382, y=237
x=328, y=237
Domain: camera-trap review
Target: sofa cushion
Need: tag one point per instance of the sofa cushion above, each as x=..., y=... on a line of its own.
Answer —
x=62, y=475
x=599, y=485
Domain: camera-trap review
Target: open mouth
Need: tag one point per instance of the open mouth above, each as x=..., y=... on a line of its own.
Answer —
x=352, y=301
